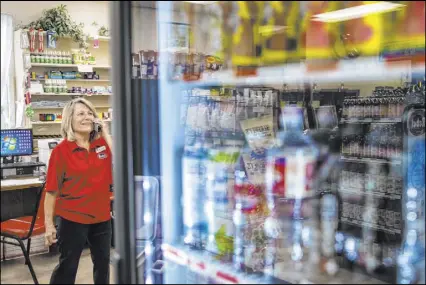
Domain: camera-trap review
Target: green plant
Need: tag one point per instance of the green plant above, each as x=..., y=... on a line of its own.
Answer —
x=29, y=111
x=103, y=31
x=59, y=20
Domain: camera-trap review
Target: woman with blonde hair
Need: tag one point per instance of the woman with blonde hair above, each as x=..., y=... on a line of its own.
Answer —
x=78, y=190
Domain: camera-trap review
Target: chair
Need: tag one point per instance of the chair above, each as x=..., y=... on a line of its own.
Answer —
x=31, y=223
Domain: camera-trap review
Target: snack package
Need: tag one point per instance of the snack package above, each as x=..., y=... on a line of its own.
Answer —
x=259, y=132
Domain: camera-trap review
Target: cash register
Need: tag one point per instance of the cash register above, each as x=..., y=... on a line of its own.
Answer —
x=15, y=144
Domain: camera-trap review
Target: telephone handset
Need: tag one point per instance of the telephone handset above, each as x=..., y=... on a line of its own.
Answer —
x=97, y=128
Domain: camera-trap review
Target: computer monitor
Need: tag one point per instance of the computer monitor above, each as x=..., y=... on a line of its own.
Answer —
x=16, y=142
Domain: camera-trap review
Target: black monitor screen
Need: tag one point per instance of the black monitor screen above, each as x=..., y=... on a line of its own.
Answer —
x=16, y=142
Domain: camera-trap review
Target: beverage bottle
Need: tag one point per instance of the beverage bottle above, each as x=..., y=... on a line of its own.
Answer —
x=143, y=58
x=400, y=107
x=384, y=141
x=194, y=194
x=250, y=212
x=360, y=108
x=392, y=109
x=367, y=108
x=384, y=106
x=345, y=111
x=220, y=198
x=289, y=189
x=376, y=108
x=374, y=138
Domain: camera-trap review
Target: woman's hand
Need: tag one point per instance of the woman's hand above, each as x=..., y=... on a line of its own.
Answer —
x=50, y=235
x=105, y=127
x=105, y=132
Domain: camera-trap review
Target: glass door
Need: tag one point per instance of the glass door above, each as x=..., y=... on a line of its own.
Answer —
x=268, y=142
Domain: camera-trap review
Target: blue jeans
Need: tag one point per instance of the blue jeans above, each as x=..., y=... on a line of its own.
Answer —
x=72, y=238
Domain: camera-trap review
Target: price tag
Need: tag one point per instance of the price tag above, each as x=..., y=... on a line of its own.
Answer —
x=85, y=68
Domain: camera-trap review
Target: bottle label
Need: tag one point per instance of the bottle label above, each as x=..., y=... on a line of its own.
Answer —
x=290, y=177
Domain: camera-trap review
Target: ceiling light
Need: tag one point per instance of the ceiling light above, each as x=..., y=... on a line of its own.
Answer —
x=269, y=29
x=201, y=2
x=357, y=12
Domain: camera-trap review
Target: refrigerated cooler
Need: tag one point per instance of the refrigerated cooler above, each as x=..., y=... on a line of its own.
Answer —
x=268, y=142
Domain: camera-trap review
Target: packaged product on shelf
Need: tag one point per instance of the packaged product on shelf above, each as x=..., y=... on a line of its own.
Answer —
x=143, y=63
x=259, y=132
x=194, y=162
x=250, y=211
x=220, y=200
x=51, y=39
x=289, y=190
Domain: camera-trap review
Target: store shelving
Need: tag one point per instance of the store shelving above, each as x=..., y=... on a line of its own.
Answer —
x=367, y=121
x=81, y=80
x=346, y=71
x=205, y=263
x=56, y=122
x=100, y=38
x=69, y=94
x=58, y=107
x=68, y=65
x=369, y=160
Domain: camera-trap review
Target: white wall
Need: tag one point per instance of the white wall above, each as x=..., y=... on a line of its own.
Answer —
x=81, y=11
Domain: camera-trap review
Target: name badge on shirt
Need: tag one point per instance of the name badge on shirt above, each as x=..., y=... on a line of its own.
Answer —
x=100, y=149
x=102, y=155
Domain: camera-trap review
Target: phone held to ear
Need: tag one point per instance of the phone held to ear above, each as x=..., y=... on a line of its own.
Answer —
x=97, y=128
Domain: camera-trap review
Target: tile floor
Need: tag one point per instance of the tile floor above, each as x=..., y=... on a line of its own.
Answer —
x=16, y=272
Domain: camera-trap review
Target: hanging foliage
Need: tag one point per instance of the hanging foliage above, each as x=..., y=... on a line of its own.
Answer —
x=59, y=20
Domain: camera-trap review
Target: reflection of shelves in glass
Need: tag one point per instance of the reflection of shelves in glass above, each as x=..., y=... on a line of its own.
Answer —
x=80, y=80
x=369, y=160
x=366, y=69
x=69, y=94
x=55, y=122
x=375, y=194
x=68, y=65
x=368, y=121
x=206, y=264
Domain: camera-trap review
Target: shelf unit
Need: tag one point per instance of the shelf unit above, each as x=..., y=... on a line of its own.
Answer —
x=368, y=121
x=80, y=80
x=69, y=65
x=102, y=102
x=100, y=38
x=56, y=122
x=60, y=108
x=207, y=264
x=69, y=94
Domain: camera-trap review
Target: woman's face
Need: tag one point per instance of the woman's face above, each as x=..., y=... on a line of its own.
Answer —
x=82, y=119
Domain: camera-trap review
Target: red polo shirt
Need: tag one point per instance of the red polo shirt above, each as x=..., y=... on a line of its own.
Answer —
x=83, y=181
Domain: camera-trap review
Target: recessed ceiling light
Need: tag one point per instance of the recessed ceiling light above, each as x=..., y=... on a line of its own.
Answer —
x=357, y=12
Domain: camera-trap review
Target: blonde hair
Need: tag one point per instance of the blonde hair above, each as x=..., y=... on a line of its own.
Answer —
x=67, y=113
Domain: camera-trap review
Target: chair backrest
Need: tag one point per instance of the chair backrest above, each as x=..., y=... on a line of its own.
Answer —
x=23, y=203
x=38, y=213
